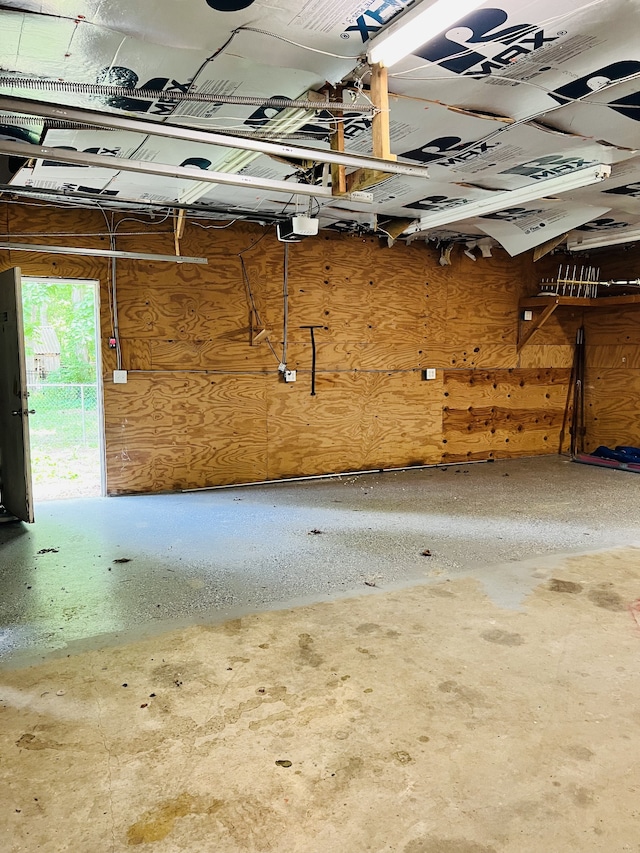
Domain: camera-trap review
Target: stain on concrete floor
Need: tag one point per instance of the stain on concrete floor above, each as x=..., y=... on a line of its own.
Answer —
x=404, y=721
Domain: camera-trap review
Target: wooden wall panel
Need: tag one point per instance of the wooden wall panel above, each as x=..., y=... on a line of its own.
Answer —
x=612, y=388
x=315, y=435
x=546, y=355
x=503, y=412
x=613, y=326
x=356, y=421
x=613, y=407
x=203, y=407
x=357, y=356
x=463, y=356
x=403, y=420
x=623, y=356
x=206, y=430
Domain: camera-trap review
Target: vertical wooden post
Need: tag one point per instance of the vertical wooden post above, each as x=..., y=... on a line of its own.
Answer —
x=380, y=125
x=178, y=228
x=338, y=173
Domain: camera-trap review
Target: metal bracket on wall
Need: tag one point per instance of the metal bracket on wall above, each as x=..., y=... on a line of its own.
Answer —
x=313, y=356
x=536, y=324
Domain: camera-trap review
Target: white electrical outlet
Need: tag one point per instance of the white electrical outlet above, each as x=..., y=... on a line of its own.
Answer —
x=119, y=377
x=527, y=315
x=430, y=373
x=289, y=376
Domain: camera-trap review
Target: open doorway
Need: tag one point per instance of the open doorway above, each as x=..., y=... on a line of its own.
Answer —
x=61, y=322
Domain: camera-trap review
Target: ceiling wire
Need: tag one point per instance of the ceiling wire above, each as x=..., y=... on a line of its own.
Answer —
x=285, y=303
x=535, y=116
x=251, y=298
x=214, y=227
x=295, y=43
x=110, y=281
x=567, y=101
x=112, y=228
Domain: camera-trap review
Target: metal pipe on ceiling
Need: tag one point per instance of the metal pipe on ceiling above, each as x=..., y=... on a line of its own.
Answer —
x=49, y=124
x=100, y=90
x=116, y=164
x=92, y=201
x=8, y=103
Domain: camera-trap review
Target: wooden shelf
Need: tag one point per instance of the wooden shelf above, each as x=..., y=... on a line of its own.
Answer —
x=581, y=301
x=547, y=304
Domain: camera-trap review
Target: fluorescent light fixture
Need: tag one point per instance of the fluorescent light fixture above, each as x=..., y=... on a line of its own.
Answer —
x=60, y=112
x=602, y=240
x=501, y=200
x=416, y=27
x=99, y=253
x=291, y=121
x=145, y=167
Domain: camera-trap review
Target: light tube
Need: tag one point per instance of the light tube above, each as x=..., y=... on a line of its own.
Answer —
x=146, y=167
x=238, y=160
x=501, y=200
x=602, y=240
x=60, y=112
x=100, y=253
x=416, y=27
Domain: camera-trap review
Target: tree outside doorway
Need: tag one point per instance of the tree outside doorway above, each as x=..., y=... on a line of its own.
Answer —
x=60, y=332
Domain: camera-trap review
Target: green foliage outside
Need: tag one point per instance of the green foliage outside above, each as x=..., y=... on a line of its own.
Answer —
x=70, y=309
x=64, y=429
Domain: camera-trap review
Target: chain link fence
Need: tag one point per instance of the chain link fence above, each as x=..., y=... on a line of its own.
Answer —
x=66, y=416
x=65, y=440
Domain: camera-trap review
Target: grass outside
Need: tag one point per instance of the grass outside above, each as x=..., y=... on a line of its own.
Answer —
x=65, y=447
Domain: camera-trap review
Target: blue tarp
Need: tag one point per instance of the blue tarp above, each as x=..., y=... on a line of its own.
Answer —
x=619, y=454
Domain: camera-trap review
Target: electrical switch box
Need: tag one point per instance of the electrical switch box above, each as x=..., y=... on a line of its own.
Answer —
x=527, y=315
x=119, y=377
x=429, y=373
x=289, y=376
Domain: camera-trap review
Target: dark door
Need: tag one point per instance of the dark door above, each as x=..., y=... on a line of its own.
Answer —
x=15, y=462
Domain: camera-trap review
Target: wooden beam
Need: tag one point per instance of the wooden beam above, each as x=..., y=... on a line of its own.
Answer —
x=579, y=301
x=178, y=227
x=380, y=124
x=361, y=179
x=338, y=173
x=257, y=333
x=396, y=226
x=536, y=324
x=546, y=299
x=549, y=246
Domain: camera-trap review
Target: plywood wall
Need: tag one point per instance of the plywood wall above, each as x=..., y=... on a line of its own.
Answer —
x=613, y=360
x=202, y=407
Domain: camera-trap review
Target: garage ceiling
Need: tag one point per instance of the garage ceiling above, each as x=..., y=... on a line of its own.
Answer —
x=512, y=95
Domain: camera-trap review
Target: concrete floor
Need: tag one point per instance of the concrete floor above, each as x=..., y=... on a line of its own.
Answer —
x=479, y=700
